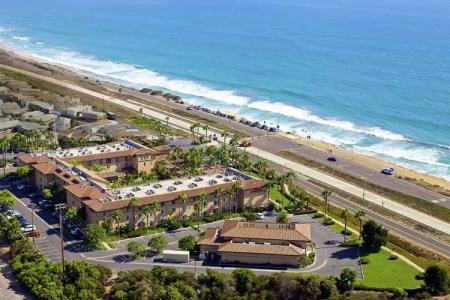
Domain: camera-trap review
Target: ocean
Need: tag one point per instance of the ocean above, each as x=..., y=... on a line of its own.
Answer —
x=370, y=76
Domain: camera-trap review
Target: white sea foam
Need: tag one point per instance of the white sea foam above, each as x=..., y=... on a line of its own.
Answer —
x=305, y=115
x=404, y=151
x=21, y=38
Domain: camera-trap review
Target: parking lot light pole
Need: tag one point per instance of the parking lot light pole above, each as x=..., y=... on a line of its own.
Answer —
x=60, y=207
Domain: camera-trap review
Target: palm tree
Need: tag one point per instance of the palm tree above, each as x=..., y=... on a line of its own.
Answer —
x=262, y=166
x=205, y=128
x=344, y=215
x=224, y=135
x=290, y=177
x=117, y=217
x=200, y=206
x=148, y=211
x=161, y=168
x=156, y=206
x=177, y=151
x=360, y=214
x=218, y=193
x=182, y=197
x=325, y=194
x=158, y=127
x=5, y=143
x=167, y=122
x=134, y=202
x=229, y=194
x=236, y=187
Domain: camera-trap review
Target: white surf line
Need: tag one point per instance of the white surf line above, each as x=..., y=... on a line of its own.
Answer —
x=309, y=172
x=354, y=190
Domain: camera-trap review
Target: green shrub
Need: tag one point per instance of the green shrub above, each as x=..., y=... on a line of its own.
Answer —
x=393, y=257
x=317, y=215
x=328, y=221
x=346, y=232
x=364, y=261
x=351, y=243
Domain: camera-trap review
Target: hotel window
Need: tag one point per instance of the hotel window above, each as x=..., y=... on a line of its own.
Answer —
x=162, y=211
x=108, y=160
x=173, y=210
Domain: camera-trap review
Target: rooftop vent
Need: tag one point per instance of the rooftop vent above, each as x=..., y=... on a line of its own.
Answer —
x=171, y=188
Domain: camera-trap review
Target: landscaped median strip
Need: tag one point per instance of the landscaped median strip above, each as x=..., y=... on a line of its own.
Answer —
x=354, y=190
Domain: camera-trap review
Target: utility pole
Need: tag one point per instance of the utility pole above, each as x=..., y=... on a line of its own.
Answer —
x=60, y=207
x=33, y=207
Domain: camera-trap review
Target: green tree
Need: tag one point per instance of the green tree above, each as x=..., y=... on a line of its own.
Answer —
x=5, y=143
x=374, y=236
x=137, y=249
x=325, y=194
x=24, y=171
x=162, y=169
x=94, y=236
x=188, y=243
x=346, y=280
x=344, y=214
x=117, y=216
x=218, y=193
x=244, y=280
x=236, y=187
x=158, y=244
x=436, y=280
x=72, y=213
x=360, y=215
x=249, y=216
x=133, y=204
x=6, y=198
x=47, y=193
x=200, y=206
x=282, y=217
x=182, y=198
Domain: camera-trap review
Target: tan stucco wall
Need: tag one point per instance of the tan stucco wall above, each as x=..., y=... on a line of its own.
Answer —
x=249, y=258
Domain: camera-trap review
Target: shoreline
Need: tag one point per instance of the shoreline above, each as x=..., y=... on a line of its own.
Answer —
x=29, y=62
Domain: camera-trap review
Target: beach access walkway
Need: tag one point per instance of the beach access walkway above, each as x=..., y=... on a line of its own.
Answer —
x=184, y=124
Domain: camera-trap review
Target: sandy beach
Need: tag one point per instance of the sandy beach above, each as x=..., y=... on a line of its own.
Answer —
x=29, y=63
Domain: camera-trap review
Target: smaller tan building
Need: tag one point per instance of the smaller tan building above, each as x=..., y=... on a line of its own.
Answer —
x=257, y=243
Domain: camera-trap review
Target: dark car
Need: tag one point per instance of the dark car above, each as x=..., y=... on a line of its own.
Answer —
x=255, y=124
x=388, y=171
x=332, y=159
x=264, y=127
x=272, y=129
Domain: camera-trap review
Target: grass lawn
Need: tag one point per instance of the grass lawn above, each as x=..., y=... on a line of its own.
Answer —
x=383, y=272
x=275, y=195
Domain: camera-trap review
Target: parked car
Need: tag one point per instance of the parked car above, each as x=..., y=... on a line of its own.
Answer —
x=272, y=129
x=388, y=171
x=245, y=144
x=75, y=231
x=28, y=228
x=33, y=234
x=264, y=127
x=259, y=216
x=20, y=187
x=43, y=202
x=332, y=159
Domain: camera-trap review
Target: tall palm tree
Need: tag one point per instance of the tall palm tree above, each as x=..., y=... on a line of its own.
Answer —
x=205, y=128
x=5, y=143
x=218, y=193
x=325, y=194
x=134, y=202
x=182, y=198
x=156, y=206
x=167, y=122
x=117, y=217
x=148, y=211
x=236, y=187
x=224, y=135
x=290, y=177
x=192, y=129
x=262, y=166
x=229, y=194
x=177, y=151
x=360, y=214
x=200, y=206
x=344, y=215
x=162, y=169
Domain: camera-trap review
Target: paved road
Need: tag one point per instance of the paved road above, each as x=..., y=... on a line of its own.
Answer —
x=330, y=258
x=274, y=144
